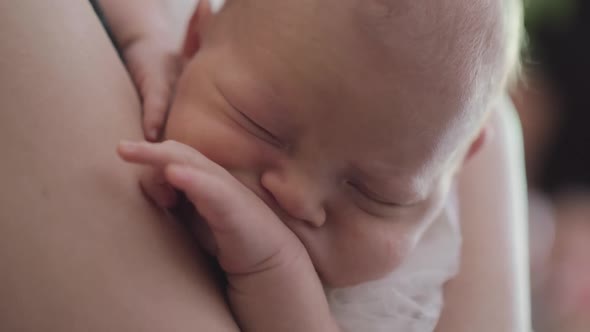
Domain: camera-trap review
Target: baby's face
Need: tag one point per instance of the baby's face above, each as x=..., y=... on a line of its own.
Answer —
x=352, y=142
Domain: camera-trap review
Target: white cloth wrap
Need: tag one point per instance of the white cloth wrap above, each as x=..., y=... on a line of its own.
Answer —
x=410, y=299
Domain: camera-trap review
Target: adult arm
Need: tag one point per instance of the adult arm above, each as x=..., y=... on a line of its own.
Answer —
x=491, y=292
x=80, y=248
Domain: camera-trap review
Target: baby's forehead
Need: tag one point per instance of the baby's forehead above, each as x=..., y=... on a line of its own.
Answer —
x=407, y=61
x=457, y=47
x=459, y=36
x=448, y=31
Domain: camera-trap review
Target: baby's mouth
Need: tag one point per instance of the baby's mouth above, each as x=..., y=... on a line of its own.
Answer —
x=189, y=217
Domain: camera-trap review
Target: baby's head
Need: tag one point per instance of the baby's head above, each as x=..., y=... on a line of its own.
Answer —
x=348, y=117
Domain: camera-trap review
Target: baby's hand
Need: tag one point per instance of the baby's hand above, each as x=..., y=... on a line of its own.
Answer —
x=250, y=238
x=154, y=66
x=273, y=285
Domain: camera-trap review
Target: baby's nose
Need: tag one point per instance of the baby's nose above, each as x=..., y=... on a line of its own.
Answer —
x=296, y=196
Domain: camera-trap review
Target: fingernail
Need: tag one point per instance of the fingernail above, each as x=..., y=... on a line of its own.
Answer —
x=153, y=134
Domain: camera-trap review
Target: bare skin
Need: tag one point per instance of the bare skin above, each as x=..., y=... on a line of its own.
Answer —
x=340, y=162
x=203, y=117
x=81, y=247
x=91, y=302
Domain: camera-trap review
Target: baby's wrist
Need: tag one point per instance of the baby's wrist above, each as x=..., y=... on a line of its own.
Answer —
x=288, y=298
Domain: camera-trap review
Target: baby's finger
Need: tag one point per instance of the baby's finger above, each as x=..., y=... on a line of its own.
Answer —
x=155, y=186
x=156, y=99
x=163, y=154
x=249, y=236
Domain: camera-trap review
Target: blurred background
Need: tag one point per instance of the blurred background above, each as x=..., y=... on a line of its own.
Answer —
x=554, y=104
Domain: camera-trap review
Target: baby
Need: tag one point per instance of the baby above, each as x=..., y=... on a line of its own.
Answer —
x=319, y=142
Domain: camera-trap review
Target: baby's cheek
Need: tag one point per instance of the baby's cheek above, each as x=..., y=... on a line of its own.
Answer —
x=217, y=139
x=395, y=250
x=384, y=251
x=393, y=244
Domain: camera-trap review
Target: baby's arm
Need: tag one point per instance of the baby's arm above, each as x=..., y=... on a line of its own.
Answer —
x=272, y=284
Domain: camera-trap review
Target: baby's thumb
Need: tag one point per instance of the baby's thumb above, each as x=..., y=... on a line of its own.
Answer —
x=250, y=238
x=156, y=99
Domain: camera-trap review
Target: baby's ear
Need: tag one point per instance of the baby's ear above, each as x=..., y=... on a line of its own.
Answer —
x=196, y=25
x=480, y=141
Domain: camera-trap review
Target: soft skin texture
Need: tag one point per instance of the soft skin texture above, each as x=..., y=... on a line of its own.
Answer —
x=103, y=233
x=353, y=141
x=80, y=247
x=271, y=282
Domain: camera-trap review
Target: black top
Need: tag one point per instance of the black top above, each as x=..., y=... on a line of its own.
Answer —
x=564, y=54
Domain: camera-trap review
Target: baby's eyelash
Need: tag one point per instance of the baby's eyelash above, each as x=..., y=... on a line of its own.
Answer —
x=268, y=136
x=370, y=195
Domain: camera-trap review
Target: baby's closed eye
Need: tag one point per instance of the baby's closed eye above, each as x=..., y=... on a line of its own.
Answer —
x=253, y=126
x=373, y=196
x=258, y=130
